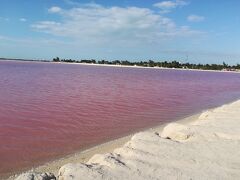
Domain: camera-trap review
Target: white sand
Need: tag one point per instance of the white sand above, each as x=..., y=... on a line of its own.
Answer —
x=124, y=66
x=145, y=67
x=207, y=148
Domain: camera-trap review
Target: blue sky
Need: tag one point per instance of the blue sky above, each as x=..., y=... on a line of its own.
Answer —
x=207, y=31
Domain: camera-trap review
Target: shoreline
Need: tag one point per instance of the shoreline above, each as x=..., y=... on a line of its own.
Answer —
x=84, y=155
x=121, y=66
x=198, y=140
x=145, y=67
x=206, y=148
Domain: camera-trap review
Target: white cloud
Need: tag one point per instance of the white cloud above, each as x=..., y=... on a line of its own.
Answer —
x=195, y=18
x=22, y=19
x=95, y=23
x=168, y=6
x=46, y=24
x=54, y=9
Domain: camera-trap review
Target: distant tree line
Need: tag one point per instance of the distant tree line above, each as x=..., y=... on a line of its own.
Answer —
x=151, y=63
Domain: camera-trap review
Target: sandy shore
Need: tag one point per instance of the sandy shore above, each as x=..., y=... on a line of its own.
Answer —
x=144, y=67
x=108, y=147
x=124, y=66
x=204, y=146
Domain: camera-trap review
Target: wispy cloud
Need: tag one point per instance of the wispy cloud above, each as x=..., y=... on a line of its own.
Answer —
x=4, y=19
x=101, y=24
x=23, y=19
x=2, y=37
x=71, y=2
x=34, y=41
x=54, y=9
x=195, y=18
x=168, y=6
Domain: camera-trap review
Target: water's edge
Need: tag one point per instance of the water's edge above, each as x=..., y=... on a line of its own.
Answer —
x=84, y=154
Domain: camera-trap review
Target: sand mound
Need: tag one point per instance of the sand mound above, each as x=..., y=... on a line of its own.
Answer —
x=177, y=132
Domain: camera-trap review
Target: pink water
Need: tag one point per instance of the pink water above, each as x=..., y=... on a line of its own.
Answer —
x=49, y=110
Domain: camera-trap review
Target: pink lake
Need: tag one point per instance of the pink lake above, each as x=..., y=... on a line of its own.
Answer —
x=50, y=110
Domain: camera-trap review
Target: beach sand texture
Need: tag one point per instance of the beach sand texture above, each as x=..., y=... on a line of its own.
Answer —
x=206, y=148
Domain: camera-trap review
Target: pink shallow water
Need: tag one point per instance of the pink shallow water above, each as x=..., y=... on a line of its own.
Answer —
x=49, y=110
